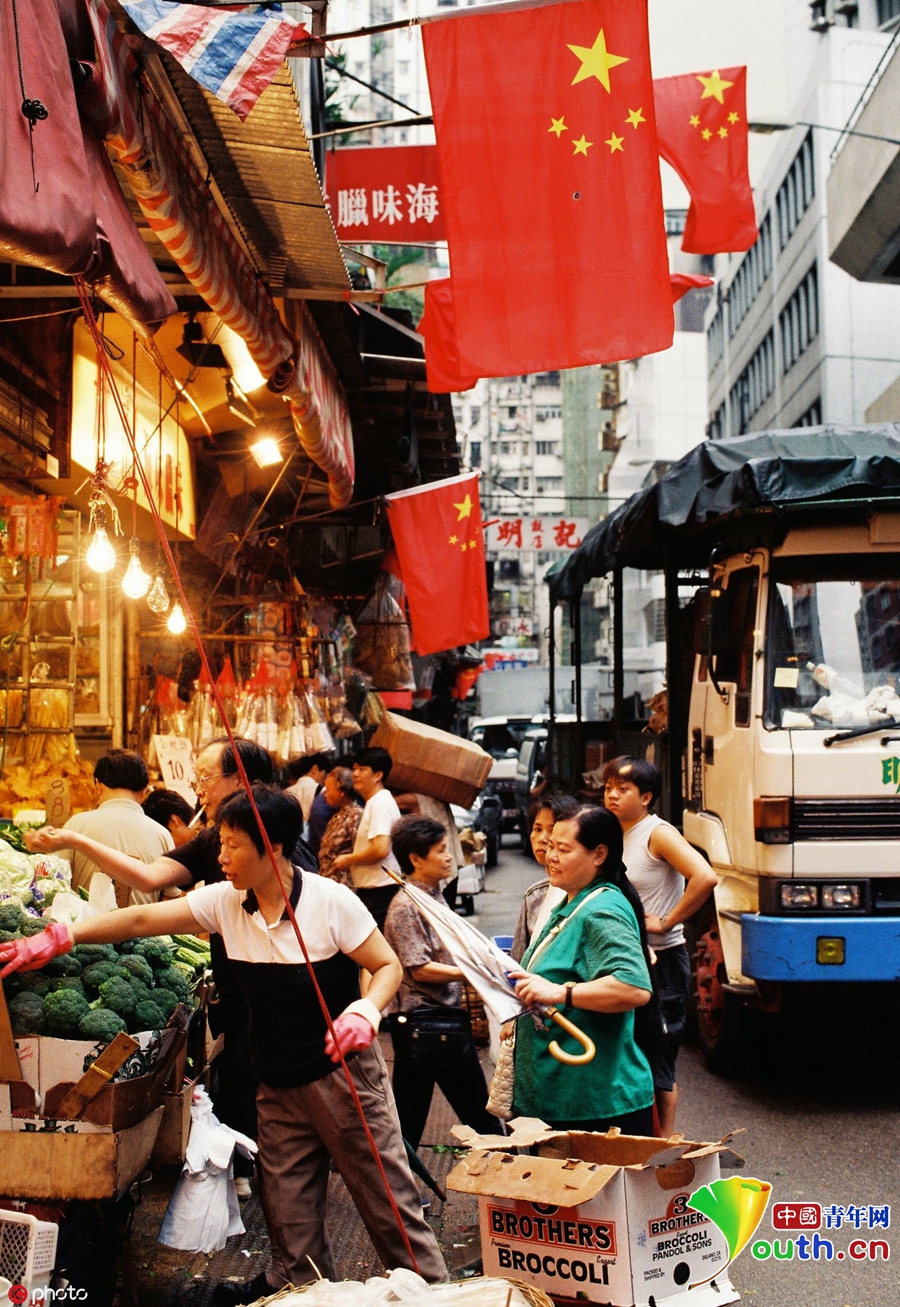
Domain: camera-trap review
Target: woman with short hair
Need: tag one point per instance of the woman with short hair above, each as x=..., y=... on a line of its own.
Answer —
x=340, y=833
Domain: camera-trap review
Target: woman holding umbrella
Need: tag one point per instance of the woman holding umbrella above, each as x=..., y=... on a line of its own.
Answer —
x=589, y=962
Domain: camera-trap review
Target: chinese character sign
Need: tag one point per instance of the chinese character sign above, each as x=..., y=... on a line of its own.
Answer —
x=560, y=533
x=385, y=193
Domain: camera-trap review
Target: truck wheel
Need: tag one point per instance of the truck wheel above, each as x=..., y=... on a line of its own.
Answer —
x=722, y=1025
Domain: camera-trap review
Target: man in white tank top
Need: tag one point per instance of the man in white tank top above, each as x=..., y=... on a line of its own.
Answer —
x=672, y=880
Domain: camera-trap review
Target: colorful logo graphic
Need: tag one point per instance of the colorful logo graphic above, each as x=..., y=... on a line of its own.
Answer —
x=736, y=1206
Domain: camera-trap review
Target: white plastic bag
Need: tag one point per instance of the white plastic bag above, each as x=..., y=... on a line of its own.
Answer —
x=203, y=1211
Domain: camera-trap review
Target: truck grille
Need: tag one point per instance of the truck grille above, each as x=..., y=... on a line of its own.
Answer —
x=846, y=819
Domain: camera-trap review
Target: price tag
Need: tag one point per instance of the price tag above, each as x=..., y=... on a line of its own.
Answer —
x=176, y=764
x=58, y=802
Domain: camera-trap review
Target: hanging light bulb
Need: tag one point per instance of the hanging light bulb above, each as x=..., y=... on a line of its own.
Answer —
x=177, y=623
x=158, y=598
x=135, y=582
x=101, y=556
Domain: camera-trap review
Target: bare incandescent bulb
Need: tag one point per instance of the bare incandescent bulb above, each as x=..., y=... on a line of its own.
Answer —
x=135, y=582
x=158, y=598
x=101, y=556
x=177, y=623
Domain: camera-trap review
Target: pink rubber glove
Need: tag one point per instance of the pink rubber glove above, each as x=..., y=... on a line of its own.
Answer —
x=354, y=1033
x=35, y=952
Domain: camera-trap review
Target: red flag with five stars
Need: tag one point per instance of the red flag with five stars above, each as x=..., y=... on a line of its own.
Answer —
x=701, y=120
x=440, y=544
x=550, y=180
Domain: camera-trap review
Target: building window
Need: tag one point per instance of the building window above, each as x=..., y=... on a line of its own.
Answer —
x=751, y=276
x=753, y=387
x=655, y=618
x=511, y=411
x=799, y=320
x=715, y=339
x=508, y=447
x=545, y=446
x=676, y=220
x=475, y=454
x=813, y=415
x=888, y=10
x=796, y=192
x=547, y=411
x=546, y=379
x=716, y=428
x=547, y=485
x=474, y=415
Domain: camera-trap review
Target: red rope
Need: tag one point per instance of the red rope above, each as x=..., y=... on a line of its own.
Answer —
x=104, y=366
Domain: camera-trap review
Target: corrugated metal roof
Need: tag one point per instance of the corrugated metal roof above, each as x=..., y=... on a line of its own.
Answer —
x=265, y=173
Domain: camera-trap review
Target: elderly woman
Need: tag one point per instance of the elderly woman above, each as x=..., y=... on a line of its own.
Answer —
x=590, y=962
x=340, y=833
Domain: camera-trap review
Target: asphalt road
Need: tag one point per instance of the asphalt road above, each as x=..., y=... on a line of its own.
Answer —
x=819, y=1104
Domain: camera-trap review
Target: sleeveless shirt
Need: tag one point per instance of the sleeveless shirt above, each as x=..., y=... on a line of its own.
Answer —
x=658, y=884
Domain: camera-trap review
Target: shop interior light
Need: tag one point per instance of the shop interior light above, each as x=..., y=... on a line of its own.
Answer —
x=177, y=622
x=239, y=405
x=266, y=452
x=101, y=556
x=158, y=598
x=135, y=582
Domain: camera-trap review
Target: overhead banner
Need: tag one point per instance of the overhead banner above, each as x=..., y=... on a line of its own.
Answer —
x=388, y=193
x=517, y=533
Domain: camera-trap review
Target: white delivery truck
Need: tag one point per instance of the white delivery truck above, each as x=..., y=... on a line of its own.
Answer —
x=782, y=559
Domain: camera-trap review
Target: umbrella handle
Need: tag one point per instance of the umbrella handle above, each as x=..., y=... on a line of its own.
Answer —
x=571, y=1059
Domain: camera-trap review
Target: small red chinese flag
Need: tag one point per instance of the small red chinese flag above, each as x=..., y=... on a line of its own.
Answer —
x=550, y=181
x=438, y=327
x=701, y=121
x=440, y=543
x=682, y=282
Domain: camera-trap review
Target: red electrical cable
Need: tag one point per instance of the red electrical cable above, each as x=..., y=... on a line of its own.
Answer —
x=104, y=366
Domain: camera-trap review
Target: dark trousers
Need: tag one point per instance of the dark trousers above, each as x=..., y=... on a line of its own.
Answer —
x=234, y=1081
x=461, y=1083
x=630, y=1123
x=378, y=899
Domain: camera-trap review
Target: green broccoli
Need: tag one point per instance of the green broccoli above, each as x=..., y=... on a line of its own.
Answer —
x=94, y=975
x=26, y=1014
x=101, y=1024
x=6, y=936
x=126, y=946
x=64, y=965
x=63, y=1012
x=72, y=983
x=32, y=926
x=11, y=916
x=172, y=978
x=147, y=1016
x=118, y=995
x=87, y=954
x=138, y=967
x=165, y=1000
x=30, y=982
x=155, y=949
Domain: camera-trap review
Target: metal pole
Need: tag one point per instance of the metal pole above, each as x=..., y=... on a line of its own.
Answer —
x=677, y=697
x=317, y=115
x=575, y=615
x=551, y=650
x=618, y=650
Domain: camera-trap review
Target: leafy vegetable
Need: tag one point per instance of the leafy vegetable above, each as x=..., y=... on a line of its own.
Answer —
x=101, y=1024
x=26, y=1014
x=63, y=1012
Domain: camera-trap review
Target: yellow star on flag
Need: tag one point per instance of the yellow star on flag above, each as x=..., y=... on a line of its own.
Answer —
x=557, y=125
x=636, y=117
x=723, y=132
x=582, y=146
x=596, y=61
x=734, y=117
x=453, y=540
x=713, y=86
x=695, y=120
x=615, y=143
x=706, y=133
x=465, y=508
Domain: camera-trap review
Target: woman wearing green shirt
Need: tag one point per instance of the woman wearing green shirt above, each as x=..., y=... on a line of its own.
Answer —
x=590, y=962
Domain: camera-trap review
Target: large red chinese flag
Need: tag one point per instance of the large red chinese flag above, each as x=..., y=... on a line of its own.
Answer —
x=440, y=543
x=701, y=120
x=550, y=181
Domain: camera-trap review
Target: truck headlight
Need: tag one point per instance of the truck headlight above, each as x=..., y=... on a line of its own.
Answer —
x=799, y=896
x=841, y=896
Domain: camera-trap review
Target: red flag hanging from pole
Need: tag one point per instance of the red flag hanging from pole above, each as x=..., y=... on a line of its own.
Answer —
x=440, y=543
x=701, y=121
x=546, y=141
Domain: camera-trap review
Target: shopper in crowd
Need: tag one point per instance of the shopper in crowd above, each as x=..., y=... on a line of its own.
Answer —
x=539, y=899
x=309, y=776
x=590, y=962
x=121, y=780
x=372, y=847
x=216, y=778
x=306, y=1111
x=320, y=814
x=171, y=811
x=340, y=833
x=431, y=1031
x=673, y=881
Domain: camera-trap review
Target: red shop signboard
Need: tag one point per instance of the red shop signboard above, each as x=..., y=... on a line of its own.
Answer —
x=385, y=193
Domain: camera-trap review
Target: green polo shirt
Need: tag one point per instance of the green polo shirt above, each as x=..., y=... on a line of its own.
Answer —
x=601, y=940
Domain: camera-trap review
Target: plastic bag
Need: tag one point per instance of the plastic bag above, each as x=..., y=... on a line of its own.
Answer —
x=69, y=907
x=382, y=640
x=203, y=1211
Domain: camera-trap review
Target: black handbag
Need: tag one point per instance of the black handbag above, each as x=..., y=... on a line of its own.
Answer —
x=436, y=1036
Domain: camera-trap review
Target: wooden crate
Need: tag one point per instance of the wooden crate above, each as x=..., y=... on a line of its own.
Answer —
x=171, y=1142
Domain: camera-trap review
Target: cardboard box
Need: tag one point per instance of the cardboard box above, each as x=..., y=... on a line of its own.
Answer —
x=428, y=761
x=172, y=1140
x=597, y=1217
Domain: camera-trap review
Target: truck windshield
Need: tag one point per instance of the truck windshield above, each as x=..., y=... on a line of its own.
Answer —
x=832, y=648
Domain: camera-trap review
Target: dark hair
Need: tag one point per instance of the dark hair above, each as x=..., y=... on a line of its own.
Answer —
x=416, y=835
x=563, y=806
x=344, y=779
x=598, y=826
x=377, y=759
x=257, y=763
x=162, y=805
x=120, y=769
x=303, y=766
x=281, y=815
x=645, y=775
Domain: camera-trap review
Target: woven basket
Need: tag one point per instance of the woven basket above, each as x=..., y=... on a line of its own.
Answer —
x=533, y=1296
x=471, y=1002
